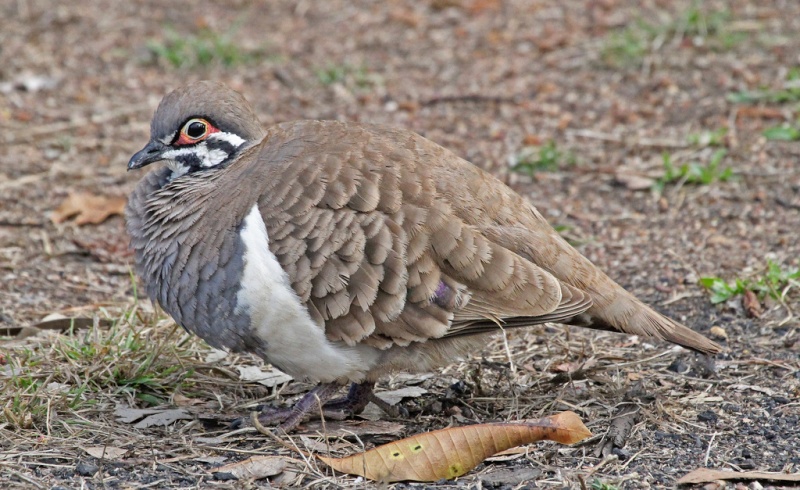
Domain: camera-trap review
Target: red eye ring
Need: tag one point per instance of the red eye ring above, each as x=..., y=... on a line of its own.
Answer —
x=194, y=131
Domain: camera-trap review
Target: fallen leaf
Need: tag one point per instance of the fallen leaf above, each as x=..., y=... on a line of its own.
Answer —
x=449, y=453
x=88, y=208
x=270, y=379
x=130, y=415
x=152, y=416
x=759, y=113
x=185, y=401
x=394, y=397
x=254, y=468
x=215, y=355
x=372, y=412
x=105, y=452
x=634, y=182
x=106, y=250
x=163, y=418
x=751, y=304
x=759, y=389
x=211, y=459
x=508, y=455
x=411, y=379
x=704, y=475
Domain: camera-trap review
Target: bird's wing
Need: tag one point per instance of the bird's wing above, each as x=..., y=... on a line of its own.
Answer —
x=377, y=255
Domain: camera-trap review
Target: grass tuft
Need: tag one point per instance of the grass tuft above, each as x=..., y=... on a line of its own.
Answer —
x=545, y=158
x=789, y=93
x=599, y=485
x=705, y=139
x=773, y=283
x=696, y=27
x=694, y=173
x=783, y=133
x=348, y=75
x=135, y=359
x=202, y=49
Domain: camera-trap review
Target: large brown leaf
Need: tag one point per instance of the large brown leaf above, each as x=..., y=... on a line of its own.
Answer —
x=452, y=452
x=88, y=208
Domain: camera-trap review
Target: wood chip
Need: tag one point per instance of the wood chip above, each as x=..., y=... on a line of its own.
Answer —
x=706, y=475
x=105, y=452
x=254, y=468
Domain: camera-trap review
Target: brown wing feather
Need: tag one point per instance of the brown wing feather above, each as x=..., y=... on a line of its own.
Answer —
x=367, y=226
x=378, y=255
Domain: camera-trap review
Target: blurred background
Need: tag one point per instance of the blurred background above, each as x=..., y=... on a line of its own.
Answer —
x=660, y=137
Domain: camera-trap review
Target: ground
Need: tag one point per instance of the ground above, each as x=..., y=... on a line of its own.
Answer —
x=602, y=102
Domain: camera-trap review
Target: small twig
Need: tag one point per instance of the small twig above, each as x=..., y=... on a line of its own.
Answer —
x=260, y=428
x=708, y=450
x=508, y=353
x=444, y=99
x=26, y=478
x=679, y=297
x=605, y=461
x=630, y=460
x=633, y=141
x=24, y=180
x=57, y=129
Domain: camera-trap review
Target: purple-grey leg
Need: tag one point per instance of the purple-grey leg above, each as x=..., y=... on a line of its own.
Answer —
x=359, y=395
x=357, y=399
x=312, y=403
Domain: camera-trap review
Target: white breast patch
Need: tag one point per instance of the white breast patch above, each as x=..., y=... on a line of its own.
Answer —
x=294, y=341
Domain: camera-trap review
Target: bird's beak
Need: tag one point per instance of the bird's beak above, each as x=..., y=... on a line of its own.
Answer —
x=147, y=155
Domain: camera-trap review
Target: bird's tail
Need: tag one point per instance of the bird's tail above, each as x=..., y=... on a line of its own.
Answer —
x=625, y=313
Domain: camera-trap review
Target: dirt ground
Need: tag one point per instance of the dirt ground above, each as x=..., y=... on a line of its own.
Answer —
x=614, y=85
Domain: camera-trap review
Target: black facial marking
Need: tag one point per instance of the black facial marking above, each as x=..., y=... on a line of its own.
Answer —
x=224, y=146
x=191, y=160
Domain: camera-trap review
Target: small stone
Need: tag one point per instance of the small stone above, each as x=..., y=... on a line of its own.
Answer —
x=86, y=469
x=224, y=476
x=679, y=366
x=718, y=332
x=707, y=416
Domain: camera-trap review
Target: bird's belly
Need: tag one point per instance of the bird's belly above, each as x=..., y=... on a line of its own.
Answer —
x=294, y=342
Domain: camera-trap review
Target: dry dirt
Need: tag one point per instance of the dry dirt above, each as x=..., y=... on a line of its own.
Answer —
x=485, y=78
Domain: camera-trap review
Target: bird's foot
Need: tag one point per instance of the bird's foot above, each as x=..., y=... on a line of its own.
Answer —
x=315, y=404
x=356, y=400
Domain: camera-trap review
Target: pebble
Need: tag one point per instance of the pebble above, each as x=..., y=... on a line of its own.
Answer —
x=86, y=469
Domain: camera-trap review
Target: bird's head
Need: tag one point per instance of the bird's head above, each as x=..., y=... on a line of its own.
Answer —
x=197, y=127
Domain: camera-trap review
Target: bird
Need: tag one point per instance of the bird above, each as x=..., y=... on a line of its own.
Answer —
x=342, y=252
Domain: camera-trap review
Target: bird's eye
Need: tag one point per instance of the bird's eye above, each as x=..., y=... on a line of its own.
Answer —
x=195, y=129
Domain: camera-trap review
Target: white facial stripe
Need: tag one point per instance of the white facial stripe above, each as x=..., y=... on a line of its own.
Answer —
x=168, y=139
x=177, y=168
x=208, y=158
x=231, y=138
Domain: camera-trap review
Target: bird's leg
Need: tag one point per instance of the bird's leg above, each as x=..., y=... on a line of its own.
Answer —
x=308, y=405
x=311, y=404
x=357, y=398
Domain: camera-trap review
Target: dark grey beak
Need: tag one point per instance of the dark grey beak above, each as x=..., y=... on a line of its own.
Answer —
x=147, y=155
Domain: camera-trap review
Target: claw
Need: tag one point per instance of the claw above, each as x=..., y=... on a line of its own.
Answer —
x=318, y=401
